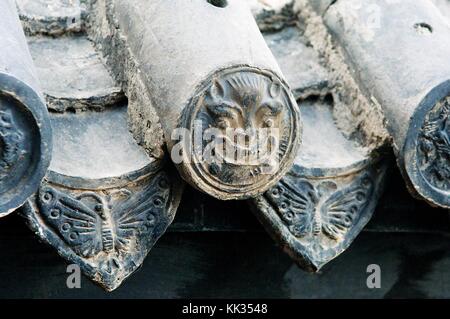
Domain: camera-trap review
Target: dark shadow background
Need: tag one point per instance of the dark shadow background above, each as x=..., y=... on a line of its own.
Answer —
x=407, y=238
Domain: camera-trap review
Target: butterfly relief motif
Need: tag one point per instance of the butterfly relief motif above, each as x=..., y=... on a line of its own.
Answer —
x=89, y=224
x=309, y=211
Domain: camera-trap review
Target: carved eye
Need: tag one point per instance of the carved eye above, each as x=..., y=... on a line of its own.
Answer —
x=275, y=89
x=353, y=210
x=224, y=111
x=6, y=118
x=289, y=216
x=98, y=207
x=272, y=108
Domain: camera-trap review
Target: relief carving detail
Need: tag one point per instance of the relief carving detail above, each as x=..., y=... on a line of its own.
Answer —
x=255, y=123
x=11, y=143
x=107, y=232
x=311, y=211
x=316, y=218
x=434, y=146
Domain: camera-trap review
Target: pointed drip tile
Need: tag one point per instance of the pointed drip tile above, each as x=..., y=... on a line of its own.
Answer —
x=317, y=210
x=104, y=202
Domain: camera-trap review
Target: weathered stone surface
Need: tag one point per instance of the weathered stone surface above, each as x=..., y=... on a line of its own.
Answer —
x=316, y=211
x=292, y=53
x=52, y=17
x=186, y=79
x=321, y=6
x=96, y=145
x=273, y=15
x=409, y=84
x=107, y=231
x=250, y=91
x=299, y=63
x=443, y=6
x=25, y=132
x=83, y=82
x=356, y=115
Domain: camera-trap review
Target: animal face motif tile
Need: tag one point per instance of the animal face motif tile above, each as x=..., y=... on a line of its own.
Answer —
x=250, y=126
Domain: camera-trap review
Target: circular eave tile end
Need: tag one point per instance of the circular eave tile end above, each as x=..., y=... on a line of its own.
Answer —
x=427, y=148
x=25, y=142
x=244, y=132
